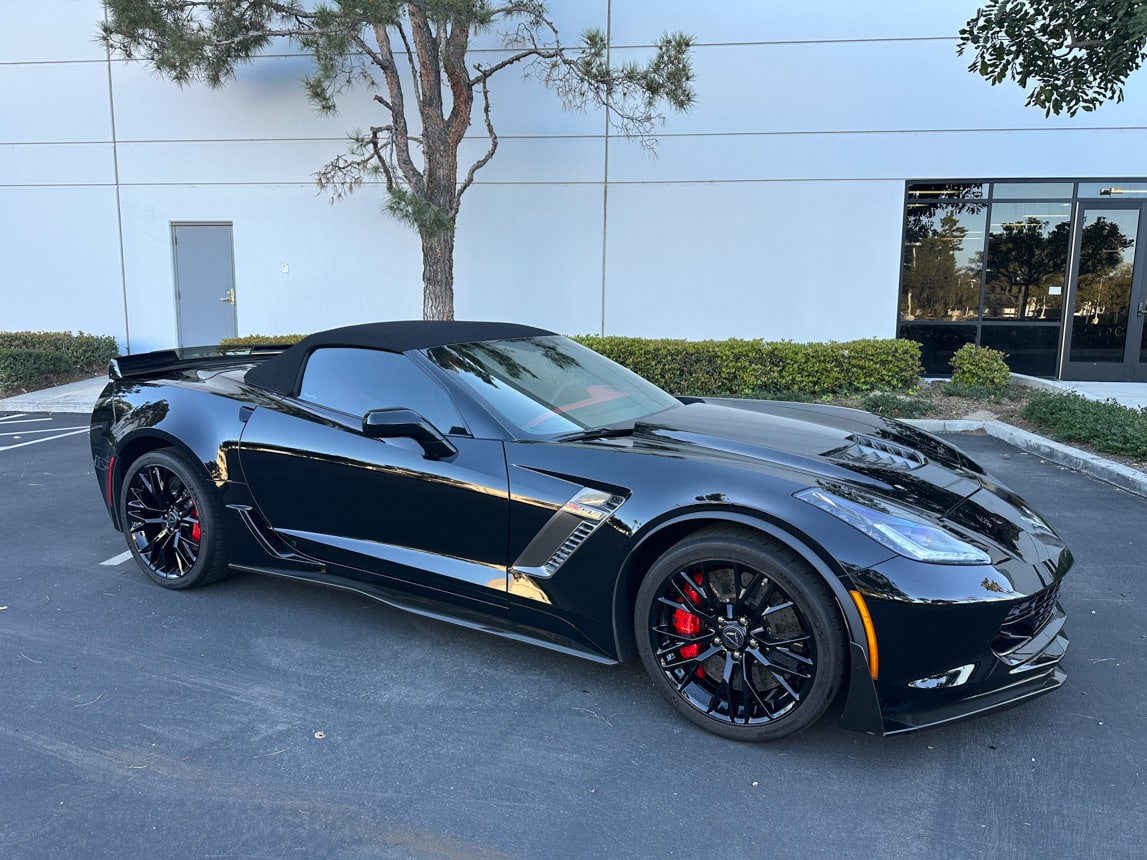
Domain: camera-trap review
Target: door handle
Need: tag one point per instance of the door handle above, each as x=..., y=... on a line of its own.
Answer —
x=230, y=297
x=1142, y=309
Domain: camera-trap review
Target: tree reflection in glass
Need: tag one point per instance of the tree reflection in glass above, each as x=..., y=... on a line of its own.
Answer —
x=941, y=268
x=1027, y=261
x=1103, y=288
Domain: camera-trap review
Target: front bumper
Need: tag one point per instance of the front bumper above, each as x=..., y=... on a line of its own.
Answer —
x=1027, y=672
x=947, y=658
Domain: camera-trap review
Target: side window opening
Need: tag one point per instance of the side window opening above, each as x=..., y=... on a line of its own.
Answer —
x=356, y=381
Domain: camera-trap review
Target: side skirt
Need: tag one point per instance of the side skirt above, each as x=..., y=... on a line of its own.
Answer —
x=389, y=598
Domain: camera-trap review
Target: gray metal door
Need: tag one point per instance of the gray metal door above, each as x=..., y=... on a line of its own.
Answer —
x=204, y=283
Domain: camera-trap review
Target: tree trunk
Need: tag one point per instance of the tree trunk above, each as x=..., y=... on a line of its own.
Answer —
x=438, y=275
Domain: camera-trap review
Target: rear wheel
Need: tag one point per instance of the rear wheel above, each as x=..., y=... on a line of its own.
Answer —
x=171, y=519
x=740, y=635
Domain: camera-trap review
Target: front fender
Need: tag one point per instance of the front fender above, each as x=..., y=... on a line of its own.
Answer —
x=862, y=707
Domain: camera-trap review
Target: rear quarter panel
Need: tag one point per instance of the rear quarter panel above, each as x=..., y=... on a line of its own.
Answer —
x=197, y=413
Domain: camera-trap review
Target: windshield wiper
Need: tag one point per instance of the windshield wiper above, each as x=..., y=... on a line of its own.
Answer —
x=599, y=433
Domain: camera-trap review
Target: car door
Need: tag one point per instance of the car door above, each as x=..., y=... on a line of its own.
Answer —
x=381, y=508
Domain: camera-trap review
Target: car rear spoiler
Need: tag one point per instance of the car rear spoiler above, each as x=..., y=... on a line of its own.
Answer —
x=165, y=360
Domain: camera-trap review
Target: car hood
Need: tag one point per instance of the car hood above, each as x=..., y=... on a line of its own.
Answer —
x=826, y=443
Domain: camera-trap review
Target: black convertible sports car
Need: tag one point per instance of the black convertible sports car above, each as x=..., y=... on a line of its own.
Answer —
x=759, y=562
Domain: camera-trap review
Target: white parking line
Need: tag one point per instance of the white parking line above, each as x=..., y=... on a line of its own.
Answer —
x=19, y=418
x=45, y=430
x=116, y=559
x=45, y=439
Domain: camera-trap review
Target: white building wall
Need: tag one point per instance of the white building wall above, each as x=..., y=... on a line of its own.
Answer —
x=772, y=210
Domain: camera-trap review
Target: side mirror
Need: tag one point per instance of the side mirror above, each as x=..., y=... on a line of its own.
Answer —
x=407, y=424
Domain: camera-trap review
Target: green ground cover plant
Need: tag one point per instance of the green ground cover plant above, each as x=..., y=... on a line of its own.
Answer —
x=1105, y=425
x=891, y=405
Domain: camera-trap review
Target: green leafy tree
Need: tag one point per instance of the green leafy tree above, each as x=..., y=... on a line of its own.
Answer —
x=1075, y=54
x=413, y=61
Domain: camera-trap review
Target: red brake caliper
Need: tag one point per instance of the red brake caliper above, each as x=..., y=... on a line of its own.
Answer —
x=688, y=624
x=195, y=530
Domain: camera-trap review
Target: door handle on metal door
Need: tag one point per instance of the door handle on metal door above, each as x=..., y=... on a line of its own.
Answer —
x=1142, y=309
x=230, y=297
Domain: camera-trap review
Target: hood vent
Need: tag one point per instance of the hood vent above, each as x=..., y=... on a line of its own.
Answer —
x=870, y=451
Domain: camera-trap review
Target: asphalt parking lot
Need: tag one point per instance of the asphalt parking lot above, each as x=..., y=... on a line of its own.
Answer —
x=264, y=719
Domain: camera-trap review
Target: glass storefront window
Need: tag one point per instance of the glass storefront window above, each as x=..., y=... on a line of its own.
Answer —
x=1114, y=190
x=1031, y=190
x=1028, y=245
x=942, y=250
x=1044, y=270
x=931, y=191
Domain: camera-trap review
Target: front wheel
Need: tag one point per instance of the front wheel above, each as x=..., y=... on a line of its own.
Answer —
x=171, y=519
x=740, y=635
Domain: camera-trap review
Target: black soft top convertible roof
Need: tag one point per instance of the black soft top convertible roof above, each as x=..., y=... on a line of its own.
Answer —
x=281, y=372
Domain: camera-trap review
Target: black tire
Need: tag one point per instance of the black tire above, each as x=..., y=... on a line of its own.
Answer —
x=740, y=635
x=172, y=520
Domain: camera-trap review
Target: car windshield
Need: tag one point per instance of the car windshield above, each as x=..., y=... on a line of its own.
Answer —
x=550, y=386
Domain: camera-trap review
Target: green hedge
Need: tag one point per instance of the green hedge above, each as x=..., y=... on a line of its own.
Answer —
x=27, y=357
x=257, y=339
x=1104, y=424
x=81, y=350
x=757, y=368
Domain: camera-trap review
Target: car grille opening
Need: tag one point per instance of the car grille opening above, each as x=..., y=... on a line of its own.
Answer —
x=870, y=451
x=1025, y=620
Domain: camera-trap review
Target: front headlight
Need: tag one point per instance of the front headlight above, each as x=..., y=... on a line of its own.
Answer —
x=897, y=528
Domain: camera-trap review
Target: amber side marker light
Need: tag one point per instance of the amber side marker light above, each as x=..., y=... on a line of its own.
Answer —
x=869, y=634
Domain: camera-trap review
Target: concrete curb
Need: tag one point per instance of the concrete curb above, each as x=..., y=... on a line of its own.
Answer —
x=1114, y=473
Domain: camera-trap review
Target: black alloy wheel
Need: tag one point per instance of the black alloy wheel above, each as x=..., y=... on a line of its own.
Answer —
x=740, y=635
x=171, y=521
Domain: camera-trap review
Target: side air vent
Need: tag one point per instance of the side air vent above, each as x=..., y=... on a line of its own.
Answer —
x=870, y=451
x=569, y=547
x=603, y=510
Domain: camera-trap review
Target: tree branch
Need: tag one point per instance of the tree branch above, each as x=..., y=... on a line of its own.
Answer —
x=537, y=53
x=481, y=162
x=406, y=164
x=410, y=60
x=429, y=68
